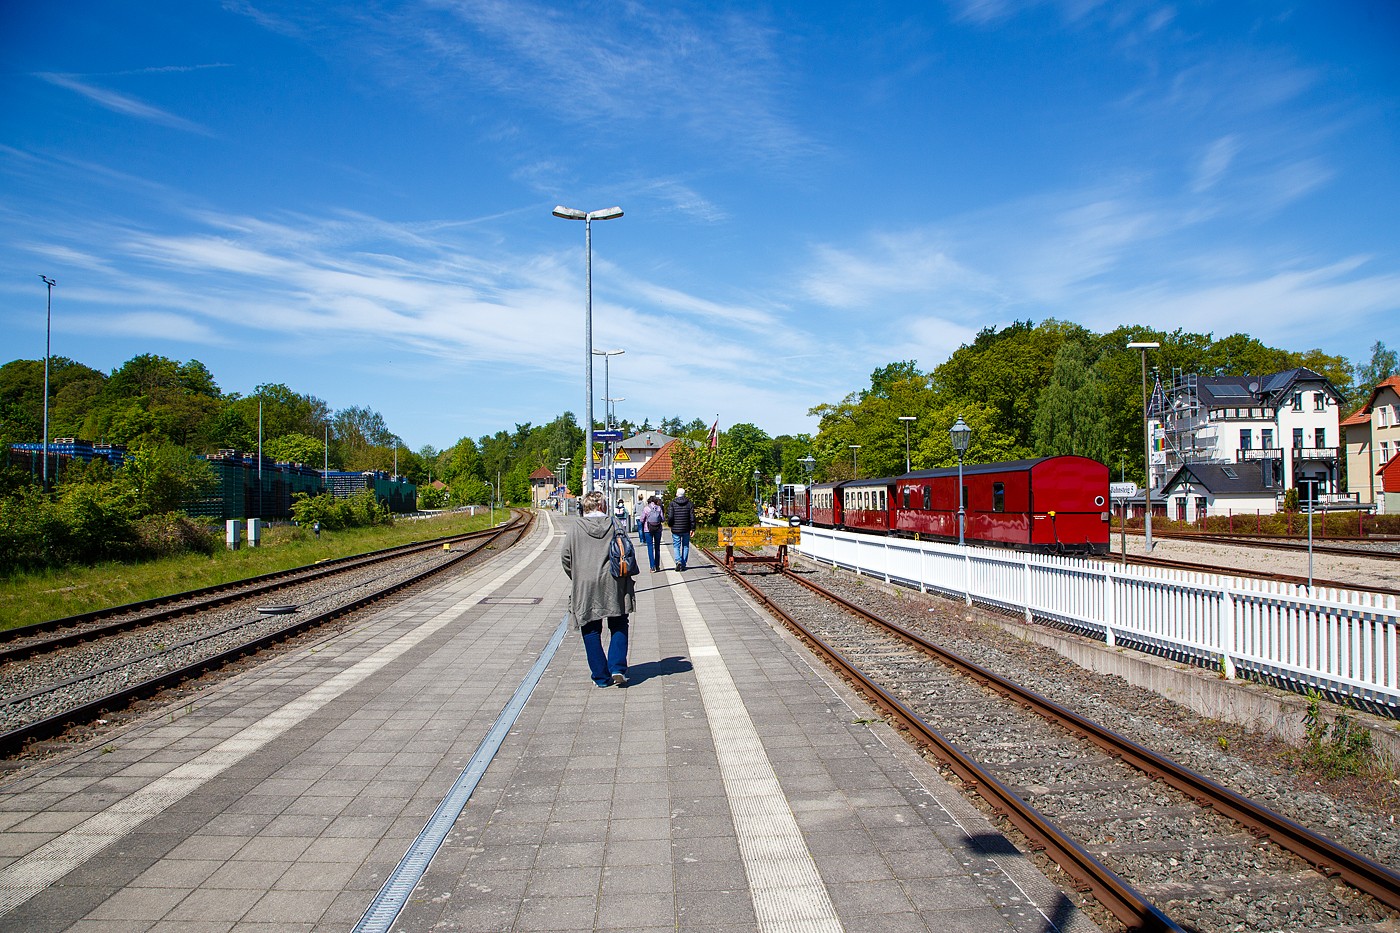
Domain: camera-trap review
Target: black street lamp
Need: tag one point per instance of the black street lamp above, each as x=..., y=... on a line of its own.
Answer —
x=961, y=435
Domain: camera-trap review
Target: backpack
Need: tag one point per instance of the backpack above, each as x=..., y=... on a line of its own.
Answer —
x=622, y=559
x=652, y=514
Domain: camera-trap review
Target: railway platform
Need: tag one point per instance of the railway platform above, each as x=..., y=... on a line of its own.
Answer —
x=734, y=785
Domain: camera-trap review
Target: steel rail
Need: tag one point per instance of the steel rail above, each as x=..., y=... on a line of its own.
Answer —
x=1324, y=854
x=15, y=740
x=1087, y=873
x=204, y=598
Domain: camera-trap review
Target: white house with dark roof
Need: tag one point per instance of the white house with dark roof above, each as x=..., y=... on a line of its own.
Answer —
x=1243, y=488
x=1288, y=423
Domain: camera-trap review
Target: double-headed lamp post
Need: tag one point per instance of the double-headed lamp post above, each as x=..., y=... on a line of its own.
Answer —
x=48, y=331
x=961, y=435
x=569, y=213
x=1144, y=346
x=855, y=469
x=906, y=419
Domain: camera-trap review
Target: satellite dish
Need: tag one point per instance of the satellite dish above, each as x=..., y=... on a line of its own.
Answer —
x=1254, y=387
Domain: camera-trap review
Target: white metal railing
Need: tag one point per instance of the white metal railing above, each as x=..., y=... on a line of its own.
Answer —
x=1340, y=641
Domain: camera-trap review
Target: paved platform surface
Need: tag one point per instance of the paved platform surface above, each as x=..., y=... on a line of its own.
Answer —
x=731, y=787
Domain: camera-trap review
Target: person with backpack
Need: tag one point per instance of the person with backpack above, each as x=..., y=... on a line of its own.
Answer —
x=652, y=517
x=680, y=515
x=599, y=591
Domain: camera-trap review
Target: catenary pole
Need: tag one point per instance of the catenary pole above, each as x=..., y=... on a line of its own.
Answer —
x=1143, y=347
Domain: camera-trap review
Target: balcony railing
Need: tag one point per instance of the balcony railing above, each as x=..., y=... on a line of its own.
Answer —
x=1316, y=453
x=1259, y=453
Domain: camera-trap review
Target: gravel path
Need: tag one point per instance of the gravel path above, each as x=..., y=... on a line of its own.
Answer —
x=1200, y=867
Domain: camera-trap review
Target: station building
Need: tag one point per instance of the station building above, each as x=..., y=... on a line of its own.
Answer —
x=1283, y=428
x=1373, y=441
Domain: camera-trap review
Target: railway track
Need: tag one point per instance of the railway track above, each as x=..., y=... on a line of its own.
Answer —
x=1358, y=547
x=1127, y=824
x=53, y=683
x=1262, y=574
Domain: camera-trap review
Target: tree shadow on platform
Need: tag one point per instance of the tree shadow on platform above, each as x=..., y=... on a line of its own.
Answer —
x=640, y=673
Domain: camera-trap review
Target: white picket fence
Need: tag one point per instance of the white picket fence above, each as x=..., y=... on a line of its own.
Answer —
x=1339, y=641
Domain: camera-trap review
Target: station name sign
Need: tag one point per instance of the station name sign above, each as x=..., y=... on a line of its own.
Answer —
x=1122, y=490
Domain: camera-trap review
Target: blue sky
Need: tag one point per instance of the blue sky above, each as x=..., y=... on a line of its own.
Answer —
x=354, y=199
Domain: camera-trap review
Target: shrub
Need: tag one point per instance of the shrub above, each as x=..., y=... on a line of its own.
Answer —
x=739, y=518
x=357, y=511
x=174, y=533
x=82, y=522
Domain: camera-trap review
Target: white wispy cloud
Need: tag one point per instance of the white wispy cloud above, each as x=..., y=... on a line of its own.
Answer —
x=608, y=67
x=123, y=104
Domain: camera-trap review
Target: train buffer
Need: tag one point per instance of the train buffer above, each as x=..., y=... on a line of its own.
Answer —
x=759, y=537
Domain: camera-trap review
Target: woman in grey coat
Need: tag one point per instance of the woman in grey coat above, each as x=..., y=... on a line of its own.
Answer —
x=596, y=594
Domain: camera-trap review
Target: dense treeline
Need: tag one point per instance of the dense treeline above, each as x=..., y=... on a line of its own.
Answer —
x=1055, y=388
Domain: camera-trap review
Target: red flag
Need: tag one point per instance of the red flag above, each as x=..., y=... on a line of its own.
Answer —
x=714, y=434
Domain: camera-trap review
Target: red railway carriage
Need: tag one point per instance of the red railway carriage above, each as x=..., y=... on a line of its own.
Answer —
x=792, y=501
x=824, y=505
x=1049, y=503
x=866, y=504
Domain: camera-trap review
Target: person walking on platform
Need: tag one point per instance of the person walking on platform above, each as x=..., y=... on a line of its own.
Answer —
x=640, y=514
x=596, y=595
x=652, y=517
x=681, y=517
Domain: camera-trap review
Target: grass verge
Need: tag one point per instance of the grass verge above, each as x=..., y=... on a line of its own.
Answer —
x=26, y=598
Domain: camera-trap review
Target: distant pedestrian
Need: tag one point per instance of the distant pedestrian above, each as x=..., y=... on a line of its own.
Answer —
x=620, y=517
x=640, y=515
x=681, y=517
x=652, y=517
x=595, y=594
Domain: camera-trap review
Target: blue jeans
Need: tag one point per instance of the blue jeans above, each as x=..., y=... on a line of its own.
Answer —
x=653, y=540
x=642, y=532
x=600, y=667
x=681, y=541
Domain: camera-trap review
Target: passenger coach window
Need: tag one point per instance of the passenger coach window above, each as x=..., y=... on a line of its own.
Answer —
x=928, y=497
x=998, y=497
x=906, y=497
x=882, y=500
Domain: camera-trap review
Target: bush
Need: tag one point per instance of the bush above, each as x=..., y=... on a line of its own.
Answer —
x=82, y=522
x=174, y=533
x=358, y=511
x=739, y=519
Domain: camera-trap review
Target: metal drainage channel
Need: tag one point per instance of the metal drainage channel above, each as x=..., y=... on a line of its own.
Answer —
x=385, y=908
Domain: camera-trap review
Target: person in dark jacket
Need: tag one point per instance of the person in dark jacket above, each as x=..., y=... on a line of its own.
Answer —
x=595, y=594
x=680, y=515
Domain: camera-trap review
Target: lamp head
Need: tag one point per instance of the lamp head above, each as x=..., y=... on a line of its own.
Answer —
x=607, y=214
x=568, y=213
x=960, y=434
x=1145, y=345
x=908, y=417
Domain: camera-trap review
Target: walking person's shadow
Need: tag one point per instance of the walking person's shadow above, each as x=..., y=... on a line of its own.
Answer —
x=638, y=674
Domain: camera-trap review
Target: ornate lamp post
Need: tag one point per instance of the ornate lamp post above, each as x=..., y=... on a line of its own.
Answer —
x=961, y=435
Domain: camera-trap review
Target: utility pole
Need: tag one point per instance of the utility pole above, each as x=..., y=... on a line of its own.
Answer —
x=48, y=337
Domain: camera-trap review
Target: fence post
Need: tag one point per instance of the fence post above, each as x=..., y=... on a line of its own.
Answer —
x=1026, y=561
x=1110, y=614
x=923, y=566
x=967, y=575
x=1227, y=634
x=887, y=560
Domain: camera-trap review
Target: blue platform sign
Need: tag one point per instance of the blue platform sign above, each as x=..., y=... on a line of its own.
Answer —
x=608, y=435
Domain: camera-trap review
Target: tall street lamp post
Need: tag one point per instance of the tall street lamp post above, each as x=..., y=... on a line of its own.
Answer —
x=906, y=419
x=756, y=478
x=568, y=213
x=1144, y=346
x=48, y=331
x=605, y=354
x=961, y=435
x=610, y=480
x=855, y=469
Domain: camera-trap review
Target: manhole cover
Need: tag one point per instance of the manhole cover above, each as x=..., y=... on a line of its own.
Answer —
x=510, y=600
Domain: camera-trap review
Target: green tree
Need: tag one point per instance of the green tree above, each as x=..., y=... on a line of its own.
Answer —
x=1071, y=418
x=1381, y=367
x=296, y=448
